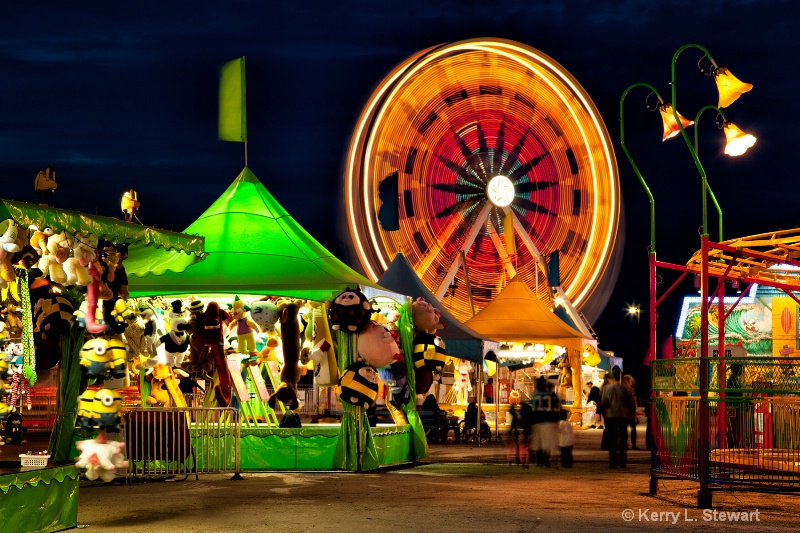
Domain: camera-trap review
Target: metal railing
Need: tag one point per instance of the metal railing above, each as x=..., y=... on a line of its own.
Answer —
x=753, y=420
x=171, y=441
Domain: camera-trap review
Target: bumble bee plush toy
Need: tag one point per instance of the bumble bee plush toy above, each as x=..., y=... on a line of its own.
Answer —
x=358, y=385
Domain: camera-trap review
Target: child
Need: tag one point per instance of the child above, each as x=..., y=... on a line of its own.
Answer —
x=566, y=439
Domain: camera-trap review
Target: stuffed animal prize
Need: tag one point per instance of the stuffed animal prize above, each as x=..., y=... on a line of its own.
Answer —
x=350, y=311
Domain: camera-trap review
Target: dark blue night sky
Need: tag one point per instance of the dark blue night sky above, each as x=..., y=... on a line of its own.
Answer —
x=121, y=95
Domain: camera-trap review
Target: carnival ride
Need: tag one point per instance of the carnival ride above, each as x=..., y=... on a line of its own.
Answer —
x=477, y=160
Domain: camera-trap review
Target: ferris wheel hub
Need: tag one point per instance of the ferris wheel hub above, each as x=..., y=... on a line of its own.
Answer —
x=500, y=191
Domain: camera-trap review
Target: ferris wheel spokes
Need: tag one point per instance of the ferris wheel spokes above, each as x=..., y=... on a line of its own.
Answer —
x=477, y=225
x=502, y=252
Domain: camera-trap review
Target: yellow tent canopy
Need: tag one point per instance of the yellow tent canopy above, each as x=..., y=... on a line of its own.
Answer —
x=517, y=315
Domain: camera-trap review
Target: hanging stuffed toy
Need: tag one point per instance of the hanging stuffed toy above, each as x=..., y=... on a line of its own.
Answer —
x=15, y=431
x=246, y=330
x=100, y=457
x=8, y=246
x=350, y=311
x=326, y=369
x=358, y=385
x=213, y=323
x=376, y=345
x=286, y=392
x=176, y=342
x=38, y=242
x=76, y=267
x=85, y=417
x=265, y=315
x=58, y=253
x=425, y=321
x=104, y=358
x=106, y=407
x=18, y=386
x=395, y=378
x=200, y=358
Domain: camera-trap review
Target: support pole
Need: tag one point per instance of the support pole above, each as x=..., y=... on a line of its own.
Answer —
x=704, y=493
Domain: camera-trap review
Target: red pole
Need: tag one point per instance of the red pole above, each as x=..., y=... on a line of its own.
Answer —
x=704, y=494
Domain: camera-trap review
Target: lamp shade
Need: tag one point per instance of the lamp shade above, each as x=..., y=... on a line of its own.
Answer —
x=671, y=128
x=737, y=141
x=729, y=86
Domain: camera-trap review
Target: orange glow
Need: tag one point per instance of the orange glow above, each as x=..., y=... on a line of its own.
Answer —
x=729, y=86
x=671, y=128
x=450, y=118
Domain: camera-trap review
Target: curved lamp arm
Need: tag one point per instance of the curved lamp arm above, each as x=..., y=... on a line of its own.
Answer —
x=685, y=136
x=696, y=144
x=633, y=164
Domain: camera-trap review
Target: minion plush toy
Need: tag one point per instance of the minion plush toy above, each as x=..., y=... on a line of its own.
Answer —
x=358, y=385
x=106, y=407
x=86, y=418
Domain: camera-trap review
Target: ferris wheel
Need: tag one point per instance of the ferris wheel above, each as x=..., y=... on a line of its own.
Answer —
x=462, y=142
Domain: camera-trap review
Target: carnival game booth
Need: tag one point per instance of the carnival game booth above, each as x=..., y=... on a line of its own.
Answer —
x=41, y=251
x=464, y=347
x=256, y=249
x=526, y=325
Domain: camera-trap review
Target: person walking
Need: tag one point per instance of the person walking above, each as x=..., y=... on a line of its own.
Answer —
x=512, y=446
x=594, y=396
x=629, y=383
x=618, y=406
x=566, y=439
x=546, y=407
x=525, y=434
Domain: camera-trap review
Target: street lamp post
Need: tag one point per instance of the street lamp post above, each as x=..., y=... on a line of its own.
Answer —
x=635, y=310
x=730, y=89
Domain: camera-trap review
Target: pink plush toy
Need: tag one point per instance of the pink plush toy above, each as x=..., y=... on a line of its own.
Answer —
x=100, y=457
x=377, y=346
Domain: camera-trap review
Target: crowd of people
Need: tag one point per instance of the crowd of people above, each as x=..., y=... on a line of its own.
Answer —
x=541, y=426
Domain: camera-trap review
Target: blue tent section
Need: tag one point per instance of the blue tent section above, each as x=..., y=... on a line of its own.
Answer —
x=461, y=341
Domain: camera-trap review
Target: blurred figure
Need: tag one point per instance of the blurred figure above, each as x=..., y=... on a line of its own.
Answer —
x=526, y=433
x=619, y=405
x=512, y=445
x=566, y=439
x=488, y=391
x=546, y=407
x=594, y=396
x=629, y=383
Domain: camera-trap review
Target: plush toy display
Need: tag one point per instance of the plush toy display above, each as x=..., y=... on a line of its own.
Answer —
x=106, y=263
x=200, y=358
x=159, y=395
x=425, y=356
x=265, y=315
x=176, y=342
x=104, y=358
x=358, y=385
x=15, y=431
x=326, y=369
x=18, y=386
x=38, y=242
x=8, y=246
x=290, y=339
x=395, y=378
x=246, y=330
x=76, y=267
x=106, y=407
x=376, y=345
x=58, y=253
x=213, y=323
x=462, y=385
x=100, y=457
x=85, y=417
x=350, y=311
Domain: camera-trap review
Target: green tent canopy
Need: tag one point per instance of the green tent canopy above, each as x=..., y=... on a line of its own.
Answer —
x=254, y=246
x=150, y=250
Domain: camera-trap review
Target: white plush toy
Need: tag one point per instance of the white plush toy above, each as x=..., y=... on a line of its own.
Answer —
x=58, y=248
x=100, y=457
x=76, y=267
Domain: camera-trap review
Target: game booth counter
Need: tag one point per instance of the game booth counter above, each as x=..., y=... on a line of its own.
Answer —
x=258, y=254
x=44, y=251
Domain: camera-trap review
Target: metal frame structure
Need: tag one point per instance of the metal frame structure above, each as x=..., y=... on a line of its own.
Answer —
x=718, y=403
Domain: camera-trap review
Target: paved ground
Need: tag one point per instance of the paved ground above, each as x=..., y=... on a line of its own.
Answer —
x=458, y=488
